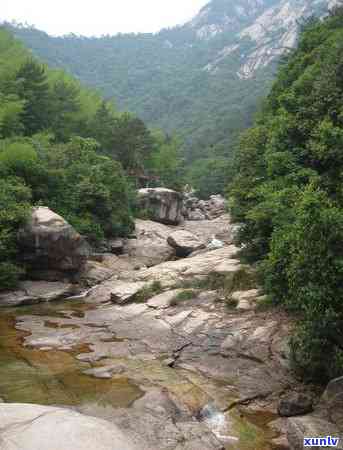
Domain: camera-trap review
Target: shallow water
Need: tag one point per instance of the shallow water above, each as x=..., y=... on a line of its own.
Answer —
x=55, y=377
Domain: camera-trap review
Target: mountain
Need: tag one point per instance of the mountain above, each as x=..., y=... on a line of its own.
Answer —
x=203, y=79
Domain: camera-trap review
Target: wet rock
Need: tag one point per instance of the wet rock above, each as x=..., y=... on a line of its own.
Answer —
x=106, y=372
x=295, y=404
x=150, y=247
x=33, y=427
x=163, y=205
x=32, y=292
x=184, y=242
x=49, y=242
x=309, y=426
x=164, y=425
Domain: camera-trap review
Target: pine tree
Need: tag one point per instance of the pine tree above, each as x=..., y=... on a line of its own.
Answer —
x=33, y=88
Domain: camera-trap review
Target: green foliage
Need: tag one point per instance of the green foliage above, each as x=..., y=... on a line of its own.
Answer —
x=11, y=109
x=14, y=207
x=166, y=163
x=33, y=89
x=242, y=279
x=48, y=154
x=173, y=79
x=88, y=189
x=209, y=176
x=148, y=291
x=288, y=194
x=183, y=296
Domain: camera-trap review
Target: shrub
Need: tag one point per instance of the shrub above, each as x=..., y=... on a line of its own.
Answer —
x=14, y=209
x=187, y=294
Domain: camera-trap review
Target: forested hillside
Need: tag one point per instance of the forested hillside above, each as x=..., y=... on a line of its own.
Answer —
x=62, y=146
x=203, y=79
x=288, y=194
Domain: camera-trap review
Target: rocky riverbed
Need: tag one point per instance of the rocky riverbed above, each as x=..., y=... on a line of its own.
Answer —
x=159, y=348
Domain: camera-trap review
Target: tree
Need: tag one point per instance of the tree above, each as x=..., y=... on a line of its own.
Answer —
x=165, y=161
x=11, y=109
x=132, y=143
x=65, y=104
x=102, y=127
x=33, y=88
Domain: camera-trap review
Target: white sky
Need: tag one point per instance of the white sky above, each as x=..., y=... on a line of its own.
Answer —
x=96, y=17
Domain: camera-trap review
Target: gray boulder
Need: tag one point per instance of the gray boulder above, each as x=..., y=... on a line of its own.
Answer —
x=196, y=214
x=184, y=242
x=33, y=427
x=51, y=243
x=309, y=426
x=163, y=205
x=150, y=246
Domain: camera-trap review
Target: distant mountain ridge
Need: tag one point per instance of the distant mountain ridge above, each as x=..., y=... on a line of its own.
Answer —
x=203, y=79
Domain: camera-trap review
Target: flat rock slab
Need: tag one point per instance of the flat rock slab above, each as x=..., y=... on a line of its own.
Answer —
x=32, y=292
x=172, y=272
x=33, y=427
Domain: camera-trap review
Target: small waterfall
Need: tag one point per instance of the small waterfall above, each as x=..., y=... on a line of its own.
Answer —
x=82, y=295
x=217, y=423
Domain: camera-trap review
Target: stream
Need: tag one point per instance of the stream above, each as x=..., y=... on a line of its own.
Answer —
x=142, y=364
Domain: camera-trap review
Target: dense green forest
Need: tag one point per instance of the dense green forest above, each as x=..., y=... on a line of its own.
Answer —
x=203, y=80
x=288, y=194
x=62, y=146
x=165, y=78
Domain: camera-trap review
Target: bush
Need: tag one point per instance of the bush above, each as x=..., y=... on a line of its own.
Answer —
x=182, y=296
x=88, y=189
x=14, y=209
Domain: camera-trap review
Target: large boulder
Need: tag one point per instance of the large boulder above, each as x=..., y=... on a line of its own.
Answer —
x=33, y=427
x=216, y=205
x=185, y=242
x=332, y=400
x=162, y=205
x=49, y=242
x=150, y=246
x=303, y=427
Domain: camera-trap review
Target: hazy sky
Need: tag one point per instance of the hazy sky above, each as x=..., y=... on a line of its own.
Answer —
x=96, y=17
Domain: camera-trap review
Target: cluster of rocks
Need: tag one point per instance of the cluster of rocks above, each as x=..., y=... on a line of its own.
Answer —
x=196, y=209
x=172, y=208
x=58, y=259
